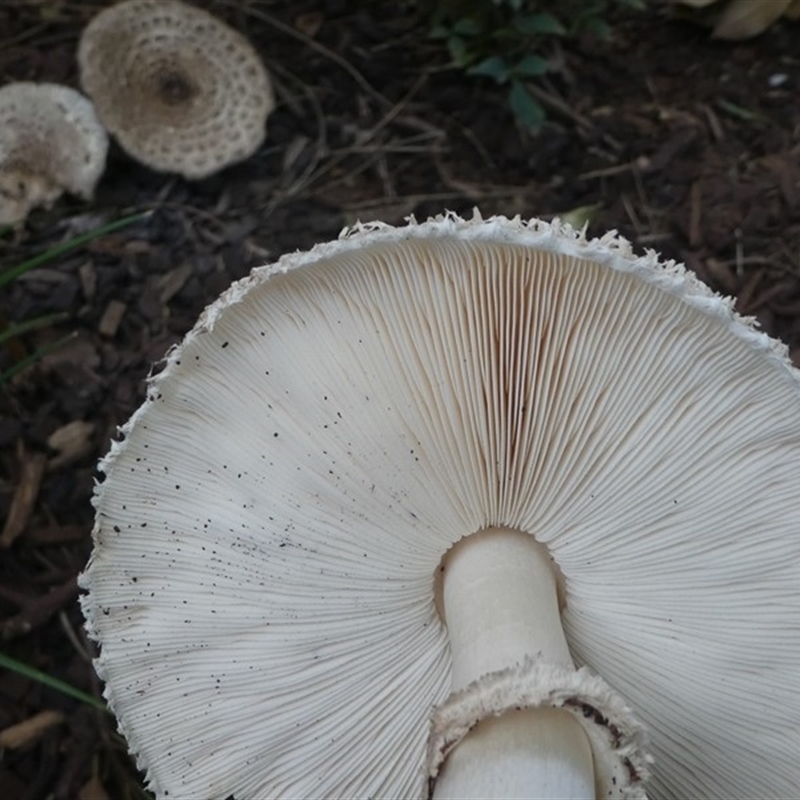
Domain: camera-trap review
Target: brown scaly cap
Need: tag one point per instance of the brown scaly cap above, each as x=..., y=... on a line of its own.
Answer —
x=50, y=142
x=179, y=89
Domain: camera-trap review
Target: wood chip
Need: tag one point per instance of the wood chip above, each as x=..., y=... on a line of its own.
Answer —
x=43, y=275
x=117, y=245
x=93, y=790
x=723, y=274
x=58, y=534
x=170, y=284
x=88, y=277
x=112, y=317
x=293, y=151
x=745, y=303
x=717, y=130
x=37, y=611
x=30, y=731
x=696, y=214
x=309, y=23
x=71, y=442
x=31, y=473
x=81, y=352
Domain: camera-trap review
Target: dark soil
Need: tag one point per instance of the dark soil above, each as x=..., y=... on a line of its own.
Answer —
x=684, y=145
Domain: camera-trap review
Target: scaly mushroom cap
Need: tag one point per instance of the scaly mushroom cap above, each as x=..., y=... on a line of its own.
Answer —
x=50, y=142
x=268, y=530
x=181, y=91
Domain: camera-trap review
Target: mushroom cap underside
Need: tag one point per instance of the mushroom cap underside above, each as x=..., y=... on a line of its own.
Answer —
x=51, y=141
x=268, y=529
x=179, y=89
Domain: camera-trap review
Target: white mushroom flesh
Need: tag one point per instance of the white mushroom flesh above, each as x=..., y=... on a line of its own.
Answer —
x=500, y=605
x=269, y=528
x=50, y=142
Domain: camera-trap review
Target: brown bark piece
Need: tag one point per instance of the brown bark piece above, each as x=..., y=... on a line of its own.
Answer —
x=112, y=317
x=37, y=611
x=171, y=283
x=57, y=534
x=30, y=479
x=71, y=442
x=30, y=730
x=93, y=790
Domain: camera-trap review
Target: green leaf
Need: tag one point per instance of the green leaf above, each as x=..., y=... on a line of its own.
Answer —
x=54, y=252
x=531, y=66
x=525, y=107
x=589, y=10
x=580, y=216
x=540, y=24
x=600, y=28
x=459, y=53
x=466, y=27
x=493, y=67
x=438, y=32
x=6, y=662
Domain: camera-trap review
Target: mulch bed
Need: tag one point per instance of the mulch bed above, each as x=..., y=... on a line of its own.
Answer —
x=684, y=145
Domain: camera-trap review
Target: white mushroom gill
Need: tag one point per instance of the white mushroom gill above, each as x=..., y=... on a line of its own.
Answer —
x=268, y=531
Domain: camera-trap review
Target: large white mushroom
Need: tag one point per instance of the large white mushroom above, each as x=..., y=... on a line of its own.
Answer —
x=50, y=142
x=180, y=90
x=389, y=493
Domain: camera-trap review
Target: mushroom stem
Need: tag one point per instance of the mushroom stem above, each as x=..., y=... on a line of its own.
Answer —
x=501, y=606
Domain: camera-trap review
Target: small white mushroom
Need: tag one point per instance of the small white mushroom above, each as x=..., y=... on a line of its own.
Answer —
x=583, y=458
x=50, y=142
x=180, y=90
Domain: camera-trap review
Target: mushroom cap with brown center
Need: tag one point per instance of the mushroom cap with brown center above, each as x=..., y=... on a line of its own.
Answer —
x=179, y=89
x=50, y=142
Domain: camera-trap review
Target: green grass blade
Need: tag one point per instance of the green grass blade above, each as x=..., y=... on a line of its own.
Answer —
x=741, y=113
x=54, y=252
x=6, y=662
x=40, y=352
x=13, y=331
